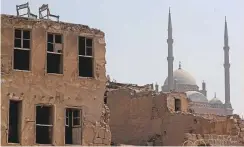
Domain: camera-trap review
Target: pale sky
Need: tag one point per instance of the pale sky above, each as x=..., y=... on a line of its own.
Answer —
x=136, y=33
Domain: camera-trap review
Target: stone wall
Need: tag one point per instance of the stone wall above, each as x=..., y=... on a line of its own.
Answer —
x=126, y=126
x=63, y=90
x=137, y=117
x=235, y=135
x=146, y=118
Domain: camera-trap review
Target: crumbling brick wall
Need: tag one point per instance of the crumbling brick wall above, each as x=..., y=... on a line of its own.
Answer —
x=141, y=118
x=131, y=121
x=64, y=90
x=136, y=117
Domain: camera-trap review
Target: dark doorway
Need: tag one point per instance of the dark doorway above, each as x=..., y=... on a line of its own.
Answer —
x=15, y=108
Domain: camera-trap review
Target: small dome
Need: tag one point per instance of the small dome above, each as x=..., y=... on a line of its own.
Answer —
x=182, y=77
x=215, y=101
x=196, y=96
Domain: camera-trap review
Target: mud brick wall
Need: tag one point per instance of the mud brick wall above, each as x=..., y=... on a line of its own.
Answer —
x=65, y=90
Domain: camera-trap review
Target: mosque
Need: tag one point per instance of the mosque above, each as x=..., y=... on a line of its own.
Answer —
x=182, y=81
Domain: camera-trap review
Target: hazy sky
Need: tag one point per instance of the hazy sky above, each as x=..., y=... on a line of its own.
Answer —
x=136, y=33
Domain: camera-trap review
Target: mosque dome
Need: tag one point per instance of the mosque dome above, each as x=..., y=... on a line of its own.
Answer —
x=182, y=77
x=196, y=96
x=215, y=100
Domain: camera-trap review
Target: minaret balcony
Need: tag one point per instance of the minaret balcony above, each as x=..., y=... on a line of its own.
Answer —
x=170, y=41
x=170, y=58
x=226, y=48
x=227, y=65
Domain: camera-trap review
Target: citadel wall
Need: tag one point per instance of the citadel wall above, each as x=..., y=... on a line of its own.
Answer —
x=36, y=87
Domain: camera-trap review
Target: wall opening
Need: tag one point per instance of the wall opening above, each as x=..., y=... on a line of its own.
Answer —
x=54, y=54
x=105, y=99
x=177, y=105
x=22, y=47
x=85, y=57
x=15, y=108
x=44, y=124
x=73, y=126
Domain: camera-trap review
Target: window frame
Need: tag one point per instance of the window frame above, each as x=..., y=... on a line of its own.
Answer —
x=45, y=125
x=21, y=48
x=48, y=52
x=177, y=102
x=79, y=117
x=86, y=56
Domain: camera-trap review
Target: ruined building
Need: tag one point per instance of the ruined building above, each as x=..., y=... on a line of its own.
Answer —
x=53, y=82
x=142, y=116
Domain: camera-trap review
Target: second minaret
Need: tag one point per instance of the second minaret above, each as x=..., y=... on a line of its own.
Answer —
x=170, y=57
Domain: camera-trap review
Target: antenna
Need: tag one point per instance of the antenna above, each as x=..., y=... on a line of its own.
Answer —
x=28, y=13
x=47, y=15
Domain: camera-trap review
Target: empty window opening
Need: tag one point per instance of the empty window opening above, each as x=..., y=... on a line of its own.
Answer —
x=44, y=124
x=73, y=126
x=22, y=47
x=14, y=121
x=85, y=57
x=54, y=54
x=177, y=105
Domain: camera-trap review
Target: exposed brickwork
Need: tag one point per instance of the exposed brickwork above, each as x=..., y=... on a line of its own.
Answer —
x=65, y=90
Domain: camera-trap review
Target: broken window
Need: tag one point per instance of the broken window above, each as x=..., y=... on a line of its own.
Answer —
x=54, y=53
x=22, y=48
x=44, y=124
x=85, y=57
x=14, y=121
x=177, y=105
x=73, y=126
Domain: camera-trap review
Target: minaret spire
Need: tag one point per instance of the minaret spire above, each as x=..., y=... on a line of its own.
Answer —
x=170, y=57
x=227, y=67
x=226, y=38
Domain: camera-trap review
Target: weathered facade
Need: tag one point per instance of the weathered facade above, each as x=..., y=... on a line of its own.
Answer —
x=141, y=116
x=51, y=92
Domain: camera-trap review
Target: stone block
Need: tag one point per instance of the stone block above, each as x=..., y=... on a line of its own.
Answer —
x=206, y=136
x=211, y=141
x=101, y=133
x=98, y=141
x=242, y=129
x=214, y=136
x=187, y=135
x=107, y=134
x=193, y=137
x=220, y=137
x=225, y=137
x=199, y=136
x=106, y=141
x=217, y=142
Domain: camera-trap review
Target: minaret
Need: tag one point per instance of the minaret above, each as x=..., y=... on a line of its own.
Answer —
x=170, y=57
x=227, y=67
x=204, y=91
x=156, y=87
